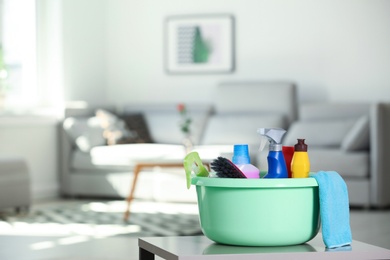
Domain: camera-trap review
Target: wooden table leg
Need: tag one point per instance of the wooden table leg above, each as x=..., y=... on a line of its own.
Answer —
x=129, y=198
x=137, y=169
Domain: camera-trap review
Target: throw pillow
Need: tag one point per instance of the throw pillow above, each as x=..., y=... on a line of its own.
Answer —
x=137, y=124
x=358, y=138
x=84, y=132
x=115, y=128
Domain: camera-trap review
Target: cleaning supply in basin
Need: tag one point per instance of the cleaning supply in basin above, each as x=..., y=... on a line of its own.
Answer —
x=334, y=209
x=288, y=152
x=193, y=165
x=300, y=163
x=224, y=168
x=242, y=160
x=276, y=163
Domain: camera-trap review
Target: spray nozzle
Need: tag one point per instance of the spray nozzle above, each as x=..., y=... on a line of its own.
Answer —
x=273, y=136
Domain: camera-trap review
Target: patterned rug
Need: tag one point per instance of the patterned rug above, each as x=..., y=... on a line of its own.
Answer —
x=102, y=219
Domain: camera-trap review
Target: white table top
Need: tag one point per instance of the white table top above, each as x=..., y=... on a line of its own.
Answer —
x=195, y=247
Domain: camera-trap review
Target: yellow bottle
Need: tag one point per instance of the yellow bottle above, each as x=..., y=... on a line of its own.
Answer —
x=300, y=163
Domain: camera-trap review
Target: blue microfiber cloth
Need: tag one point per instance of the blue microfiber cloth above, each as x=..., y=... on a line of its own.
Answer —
x=334, y=209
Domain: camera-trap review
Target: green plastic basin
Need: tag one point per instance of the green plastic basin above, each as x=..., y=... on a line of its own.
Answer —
x=258, y=212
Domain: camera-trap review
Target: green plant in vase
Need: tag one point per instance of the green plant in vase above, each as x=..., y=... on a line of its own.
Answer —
x=185, y=126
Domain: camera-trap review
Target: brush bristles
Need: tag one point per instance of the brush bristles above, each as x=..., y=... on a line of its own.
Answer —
x=224, y=168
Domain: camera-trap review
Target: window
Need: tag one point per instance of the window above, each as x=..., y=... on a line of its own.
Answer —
x=18, y=46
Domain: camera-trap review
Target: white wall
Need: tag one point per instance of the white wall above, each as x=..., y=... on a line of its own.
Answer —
x=72, y=60
x=113, y=51
x=84, y=50
x=333, y=50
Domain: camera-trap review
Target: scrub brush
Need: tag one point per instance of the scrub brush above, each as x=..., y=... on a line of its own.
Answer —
x=224, y=168
x=193, y=164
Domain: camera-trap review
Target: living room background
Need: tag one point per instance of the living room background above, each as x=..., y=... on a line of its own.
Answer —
x=112, y=52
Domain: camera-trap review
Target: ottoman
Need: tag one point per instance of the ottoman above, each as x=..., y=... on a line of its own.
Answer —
x=14, y=183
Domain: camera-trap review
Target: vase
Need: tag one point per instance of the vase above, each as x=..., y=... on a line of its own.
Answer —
x=187, y=143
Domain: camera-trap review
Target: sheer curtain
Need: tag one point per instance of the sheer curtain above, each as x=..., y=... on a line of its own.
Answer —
x=18, y=46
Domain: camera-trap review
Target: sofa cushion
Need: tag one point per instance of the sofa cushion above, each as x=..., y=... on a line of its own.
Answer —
x=84, y=162
x=84, y=132
x=331, y=111
x=239, y=128
x=123, y=157
x=324, y=133
x=347, y=164
x=129, y=154
x=264, y=97
x=163, y=121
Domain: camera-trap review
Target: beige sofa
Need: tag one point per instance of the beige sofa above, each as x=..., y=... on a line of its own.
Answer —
x=237, y=111
x=239, y=108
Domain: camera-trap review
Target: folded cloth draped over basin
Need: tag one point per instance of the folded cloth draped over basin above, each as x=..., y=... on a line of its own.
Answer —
x=334, y=209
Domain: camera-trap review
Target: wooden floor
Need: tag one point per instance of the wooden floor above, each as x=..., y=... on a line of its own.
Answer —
x=369, y=226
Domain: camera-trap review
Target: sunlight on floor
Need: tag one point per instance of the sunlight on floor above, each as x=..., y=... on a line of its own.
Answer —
x=144, y=207
x=55, y=229
x=72, y=233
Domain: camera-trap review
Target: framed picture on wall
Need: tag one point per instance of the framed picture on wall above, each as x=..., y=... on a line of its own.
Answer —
x=199, y=44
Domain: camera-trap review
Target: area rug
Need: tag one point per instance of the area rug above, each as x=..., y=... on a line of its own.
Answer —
x=102, y=219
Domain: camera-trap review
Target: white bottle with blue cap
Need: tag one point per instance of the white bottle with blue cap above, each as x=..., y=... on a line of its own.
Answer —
x=242, y=160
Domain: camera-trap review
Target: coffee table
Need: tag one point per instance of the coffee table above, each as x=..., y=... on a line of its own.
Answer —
x=137, y=169
x=200, y=247
x=207, y=153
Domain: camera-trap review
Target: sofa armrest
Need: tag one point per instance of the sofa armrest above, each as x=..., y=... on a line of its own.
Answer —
x=66, y=147
x=380, y=154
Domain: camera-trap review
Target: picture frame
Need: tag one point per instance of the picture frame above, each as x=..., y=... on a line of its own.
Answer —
x=199, y=44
